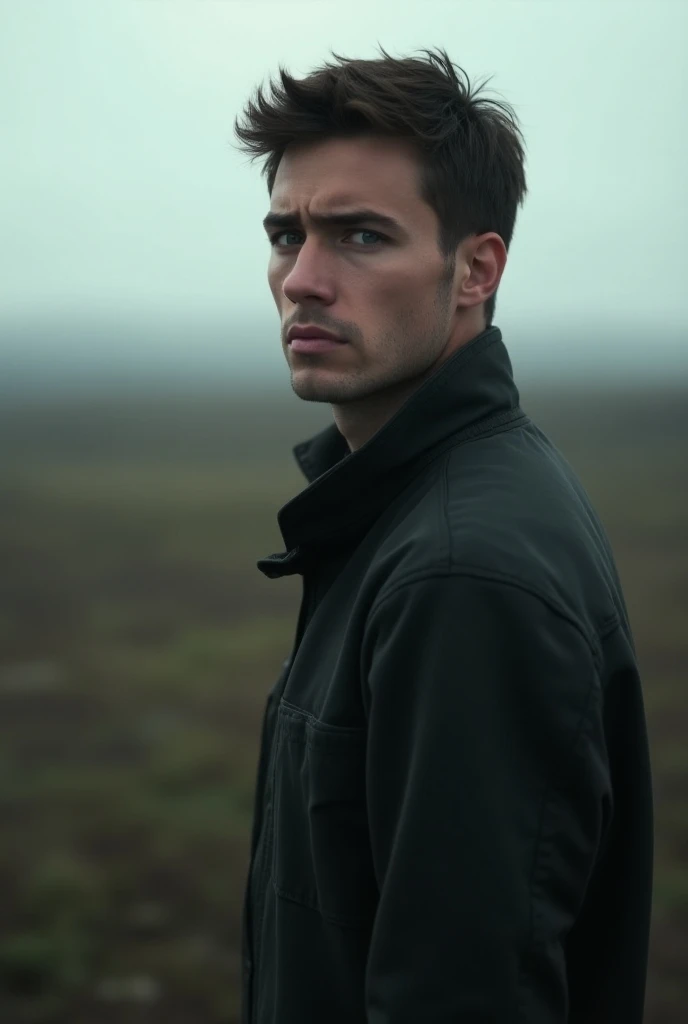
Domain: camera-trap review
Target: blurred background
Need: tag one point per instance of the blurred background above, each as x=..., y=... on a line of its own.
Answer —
x=147, y=421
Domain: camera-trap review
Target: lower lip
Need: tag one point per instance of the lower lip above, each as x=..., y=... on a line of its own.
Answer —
x=314, y=344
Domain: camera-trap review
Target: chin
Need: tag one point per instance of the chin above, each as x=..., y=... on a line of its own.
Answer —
x=311, y=391
x=308, y=388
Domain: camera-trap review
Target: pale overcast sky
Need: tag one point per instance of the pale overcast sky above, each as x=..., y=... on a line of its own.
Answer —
x=120, y=190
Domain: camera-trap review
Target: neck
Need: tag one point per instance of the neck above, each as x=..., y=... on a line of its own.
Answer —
x=359, y=420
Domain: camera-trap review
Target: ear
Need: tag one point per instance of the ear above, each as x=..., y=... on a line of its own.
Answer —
x=483, y=258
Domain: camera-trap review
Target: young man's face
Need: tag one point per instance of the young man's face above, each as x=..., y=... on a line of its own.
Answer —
x=384, y=289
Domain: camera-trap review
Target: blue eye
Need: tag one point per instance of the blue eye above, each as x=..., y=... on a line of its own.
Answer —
x=366, y=231
x=273, y=238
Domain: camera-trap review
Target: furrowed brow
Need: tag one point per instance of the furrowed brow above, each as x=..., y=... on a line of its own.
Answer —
x=292, y=219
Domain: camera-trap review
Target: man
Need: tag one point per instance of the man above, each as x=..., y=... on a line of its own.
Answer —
x=453, y=812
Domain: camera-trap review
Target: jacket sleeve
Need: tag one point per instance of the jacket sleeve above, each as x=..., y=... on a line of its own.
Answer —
x=488, y=797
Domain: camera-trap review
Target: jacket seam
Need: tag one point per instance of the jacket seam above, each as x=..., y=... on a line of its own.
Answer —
x=353, y=922
x=494, y=576
x=353, y=732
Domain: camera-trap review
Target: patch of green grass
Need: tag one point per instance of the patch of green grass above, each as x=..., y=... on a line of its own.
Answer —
x=671, y=889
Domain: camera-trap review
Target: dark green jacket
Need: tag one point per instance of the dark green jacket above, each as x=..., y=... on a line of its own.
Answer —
x=453, y=819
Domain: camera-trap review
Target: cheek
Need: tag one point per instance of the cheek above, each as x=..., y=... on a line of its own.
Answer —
x=407, y=283
x=405, y=297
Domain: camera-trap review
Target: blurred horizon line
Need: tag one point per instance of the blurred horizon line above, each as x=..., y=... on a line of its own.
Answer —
x=45, y=355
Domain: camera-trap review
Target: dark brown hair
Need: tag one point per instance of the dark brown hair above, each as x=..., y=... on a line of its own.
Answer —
x=471, y=148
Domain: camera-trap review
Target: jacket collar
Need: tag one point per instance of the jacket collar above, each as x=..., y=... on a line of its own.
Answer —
x=471, y=393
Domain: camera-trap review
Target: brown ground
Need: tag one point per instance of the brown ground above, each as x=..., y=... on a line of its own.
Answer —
x=137, y=643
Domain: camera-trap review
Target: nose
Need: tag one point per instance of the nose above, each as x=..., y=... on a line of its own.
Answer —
x=309, y=276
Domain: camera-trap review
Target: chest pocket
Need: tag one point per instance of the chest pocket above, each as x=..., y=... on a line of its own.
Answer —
x=321, y=851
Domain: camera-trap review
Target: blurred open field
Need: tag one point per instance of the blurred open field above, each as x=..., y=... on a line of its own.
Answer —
x=137, y=644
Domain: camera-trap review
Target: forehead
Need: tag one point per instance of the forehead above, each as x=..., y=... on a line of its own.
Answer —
x=348, y=172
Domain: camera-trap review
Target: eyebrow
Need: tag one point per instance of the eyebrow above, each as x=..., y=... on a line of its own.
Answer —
x=292, y=219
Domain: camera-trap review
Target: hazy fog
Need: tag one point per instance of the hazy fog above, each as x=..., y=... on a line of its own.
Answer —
x=130, y=225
